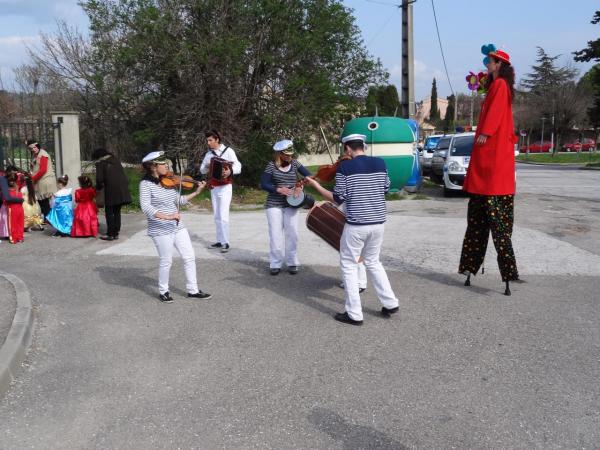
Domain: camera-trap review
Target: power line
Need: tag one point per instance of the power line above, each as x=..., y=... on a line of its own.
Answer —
x=384, y=3
x=441, y=49
x=380, y=29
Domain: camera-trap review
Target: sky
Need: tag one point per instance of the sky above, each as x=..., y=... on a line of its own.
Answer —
x=515, y=26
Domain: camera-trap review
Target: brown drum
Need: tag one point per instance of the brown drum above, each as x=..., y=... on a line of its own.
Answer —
x=327, y=222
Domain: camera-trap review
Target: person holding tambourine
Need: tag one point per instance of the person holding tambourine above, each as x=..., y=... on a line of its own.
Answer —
x=279, y=179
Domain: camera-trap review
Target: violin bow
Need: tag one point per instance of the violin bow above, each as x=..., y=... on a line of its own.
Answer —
x=326, y=144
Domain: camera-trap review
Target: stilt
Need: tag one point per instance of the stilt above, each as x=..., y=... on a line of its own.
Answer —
x=468, y=280
x=507, y=290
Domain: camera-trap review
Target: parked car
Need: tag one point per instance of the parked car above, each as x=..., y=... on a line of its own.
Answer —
x=588, y=144
x=426, y=153
x=457, y=162
x=439, y=157
x=538, y=147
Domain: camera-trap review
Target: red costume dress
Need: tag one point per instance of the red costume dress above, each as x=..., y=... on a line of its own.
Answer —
x=16, y=218
x=490, y=181
x=85, y=219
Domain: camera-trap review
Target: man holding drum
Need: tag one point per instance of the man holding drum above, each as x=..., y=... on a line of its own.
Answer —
x=221, y=188
x=361, y=183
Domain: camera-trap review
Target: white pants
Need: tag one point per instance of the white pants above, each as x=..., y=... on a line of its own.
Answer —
x=221, y=199
x=365, y=241
x=164, y=246
x=283, y=237
x=362, y=275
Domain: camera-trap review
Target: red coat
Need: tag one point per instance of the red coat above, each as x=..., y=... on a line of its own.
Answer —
x=492, y=166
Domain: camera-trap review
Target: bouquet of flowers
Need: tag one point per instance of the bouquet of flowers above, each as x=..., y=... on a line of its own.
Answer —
x=476, y=82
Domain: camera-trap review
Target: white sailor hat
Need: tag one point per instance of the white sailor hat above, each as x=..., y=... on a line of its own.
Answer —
x=354, y=137
x=285, y=146
x=155, y=157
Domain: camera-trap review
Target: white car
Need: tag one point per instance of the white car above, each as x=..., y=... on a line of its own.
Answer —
x=457, y=162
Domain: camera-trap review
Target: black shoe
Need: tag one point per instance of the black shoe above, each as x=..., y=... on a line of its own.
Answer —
x=224, y=248
x=360, y=290
x=166, y=298
x=293, y=270
x=387, y=312
x=215, y=245
x=107, y=238
x=274, y=271
x=115, y=237
x=201, y=295
x=345, y=318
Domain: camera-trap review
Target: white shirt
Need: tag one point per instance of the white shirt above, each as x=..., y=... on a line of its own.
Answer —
x=222, y=152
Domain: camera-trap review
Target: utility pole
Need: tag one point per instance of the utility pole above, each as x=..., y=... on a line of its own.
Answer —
x=552, y=136
x=408, y=61
x=542, y=140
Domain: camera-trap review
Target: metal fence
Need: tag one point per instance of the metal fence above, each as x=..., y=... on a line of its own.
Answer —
x=13, y=149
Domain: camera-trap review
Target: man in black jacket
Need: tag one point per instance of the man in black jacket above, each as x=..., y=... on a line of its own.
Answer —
x=112, y=181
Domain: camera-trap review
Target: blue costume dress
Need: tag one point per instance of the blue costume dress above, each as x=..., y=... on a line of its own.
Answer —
x=61, y=214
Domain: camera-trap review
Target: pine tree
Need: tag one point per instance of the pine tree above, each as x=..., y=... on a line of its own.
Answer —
x=434, y=113
x=592, y=51
x=545, y=76
x=448, y=123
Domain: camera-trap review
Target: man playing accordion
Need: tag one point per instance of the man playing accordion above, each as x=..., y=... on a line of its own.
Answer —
x=220, y=174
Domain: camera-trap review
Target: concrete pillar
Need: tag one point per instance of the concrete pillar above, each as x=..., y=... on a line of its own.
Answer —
x=67, y=150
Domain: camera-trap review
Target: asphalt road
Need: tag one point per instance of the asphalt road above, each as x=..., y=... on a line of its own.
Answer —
x=263, y=364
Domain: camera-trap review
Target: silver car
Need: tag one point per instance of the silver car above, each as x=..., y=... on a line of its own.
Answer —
x=426, y=153
x=439, y=158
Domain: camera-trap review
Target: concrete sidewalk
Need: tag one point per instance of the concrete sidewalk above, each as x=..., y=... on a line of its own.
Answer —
x=16, y=327
x=8, y=306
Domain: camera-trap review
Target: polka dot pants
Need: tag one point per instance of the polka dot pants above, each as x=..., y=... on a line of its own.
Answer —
x=487, y=213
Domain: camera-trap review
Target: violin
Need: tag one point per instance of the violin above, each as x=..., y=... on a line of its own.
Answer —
x=172, y=181
x=327, y=171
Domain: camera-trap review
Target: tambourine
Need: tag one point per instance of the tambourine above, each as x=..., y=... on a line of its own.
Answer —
x=301, y=201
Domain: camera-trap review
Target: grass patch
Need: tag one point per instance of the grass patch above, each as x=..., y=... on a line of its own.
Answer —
x=395, y=196
x=419, y=197
x=595, y=164
x=561, y=158
x=428, y=183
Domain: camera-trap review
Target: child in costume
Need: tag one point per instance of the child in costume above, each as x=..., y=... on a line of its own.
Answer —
x=61, y=212
x=33, y=214
x=12, y=216
x=85, y=220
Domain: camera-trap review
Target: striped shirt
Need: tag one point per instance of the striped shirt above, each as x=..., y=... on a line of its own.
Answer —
x=362, y=183
x=273, y=177
x=155, y=198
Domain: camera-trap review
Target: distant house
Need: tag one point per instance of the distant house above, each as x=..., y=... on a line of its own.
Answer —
x=423, y=109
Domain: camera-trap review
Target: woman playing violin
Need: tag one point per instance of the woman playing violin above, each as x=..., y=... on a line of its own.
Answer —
x=279, y=180
x=161, y=206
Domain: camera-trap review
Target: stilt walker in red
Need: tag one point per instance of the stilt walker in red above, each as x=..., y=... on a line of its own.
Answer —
x=490, y=179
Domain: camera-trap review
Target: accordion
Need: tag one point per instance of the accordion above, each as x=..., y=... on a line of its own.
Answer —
x=215, y=172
